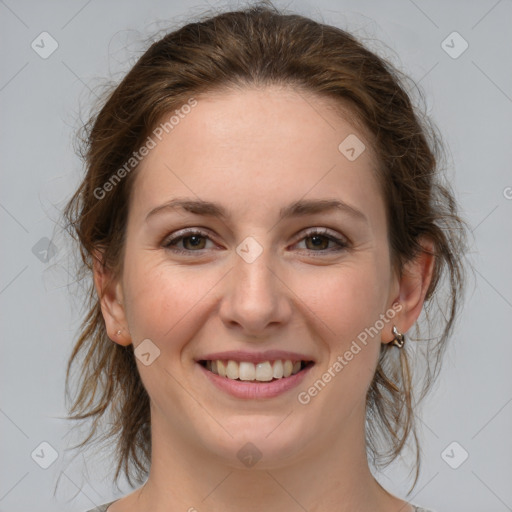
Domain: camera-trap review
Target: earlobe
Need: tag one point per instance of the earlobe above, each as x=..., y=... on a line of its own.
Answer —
x=413, y=286
x=109, y=292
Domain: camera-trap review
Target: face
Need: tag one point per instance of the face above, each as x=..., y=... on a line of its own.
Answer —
x=276, y=272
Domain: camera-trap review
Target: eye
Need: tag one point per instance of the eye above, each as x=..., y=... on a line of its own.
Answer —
x=193, y=240
x=320, y=239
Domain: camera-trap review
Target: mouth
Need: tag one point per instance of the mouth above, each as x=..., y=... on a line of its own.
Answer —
x=261, y=372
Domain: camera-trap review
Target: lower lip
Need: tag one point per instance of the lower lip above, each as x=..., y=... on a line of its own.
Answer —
x=253, y=390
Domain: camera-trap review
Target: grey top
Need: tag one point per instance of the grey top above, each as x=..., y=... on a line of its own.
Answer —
x=103, y=508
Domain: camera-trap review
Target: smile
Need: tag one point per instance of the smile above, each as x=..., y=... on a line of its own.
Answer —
x=265, y=371
x=254, y=381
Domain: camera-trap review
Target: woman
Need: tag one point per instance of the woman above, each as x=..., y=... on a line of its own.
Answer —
x=264, y=221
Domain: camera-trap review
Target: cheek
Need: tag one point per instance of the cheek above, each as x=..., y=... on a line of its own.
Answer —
x=165, y=302
x=346, y=299
x=345, y=305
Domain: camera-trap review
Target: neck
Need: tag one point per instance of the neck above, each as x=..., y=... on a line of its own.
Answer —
x=322, y=477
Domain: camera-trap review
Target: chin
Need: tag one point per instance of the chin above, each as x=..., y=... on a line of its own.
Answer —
x=259, y=442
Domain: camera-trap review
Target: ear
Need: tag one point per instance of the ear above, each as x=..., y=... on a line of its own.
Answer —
x=110, y=294
x=412, y=289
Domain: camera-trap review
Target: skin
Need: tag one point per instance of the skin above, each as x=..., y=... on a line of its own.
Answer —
x=255, y=151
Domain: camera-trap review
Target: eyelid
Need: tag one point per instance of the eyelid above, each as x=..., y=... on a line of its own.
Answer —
x=324, y=231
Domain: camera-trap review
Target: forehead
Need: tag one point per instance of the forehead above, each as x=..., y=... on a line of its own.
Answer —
x=255, y=147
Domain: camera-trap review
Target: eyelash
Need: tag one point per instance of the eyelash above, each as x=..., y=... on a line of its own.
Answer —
x=170, y=242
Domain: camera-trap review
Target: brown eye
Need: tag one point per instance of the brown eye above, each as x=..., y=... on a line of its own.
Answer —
x=192, y=241
x=196, y=241
x=318, y=240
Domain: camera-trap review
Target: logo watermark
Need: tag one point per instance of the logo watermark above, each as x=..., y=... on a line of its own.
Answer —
x=304, y=397
x=150, y=143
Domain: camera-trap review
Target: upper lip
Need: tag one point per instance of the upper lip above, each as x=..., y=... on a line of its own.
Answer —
x=254, y=357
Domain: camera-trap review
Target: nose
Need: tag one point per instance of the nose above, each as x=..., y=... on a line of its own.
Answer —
x=255, y=299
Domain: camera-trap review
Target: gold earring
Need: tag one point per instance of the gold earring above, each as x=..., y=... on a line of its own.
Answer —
x=399, y=339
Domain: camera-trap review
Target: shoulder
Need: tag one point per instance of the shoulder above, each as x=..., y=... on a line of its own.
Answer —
x=103, y=508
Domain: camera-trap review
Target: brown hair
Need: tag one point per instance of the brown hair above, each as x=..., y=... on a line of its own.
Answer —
x=256, y=46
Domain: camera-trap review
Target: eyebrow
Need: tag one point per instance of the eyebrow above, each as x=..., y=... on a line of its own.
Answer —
x=295, y=209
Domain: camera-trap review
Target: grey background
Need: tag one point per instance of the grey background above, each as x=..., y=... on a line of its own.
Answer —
x=470, y=99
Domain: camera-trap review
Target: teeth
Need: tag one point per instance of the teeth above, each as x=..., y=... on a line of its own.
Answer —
x=262, y=372
x=278, y=370
x=246, y=371
x=232, y=370
x=221, y=368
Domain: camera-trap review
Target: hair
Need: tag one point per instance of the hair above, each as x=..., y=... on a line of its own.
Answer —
x=256, y=47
